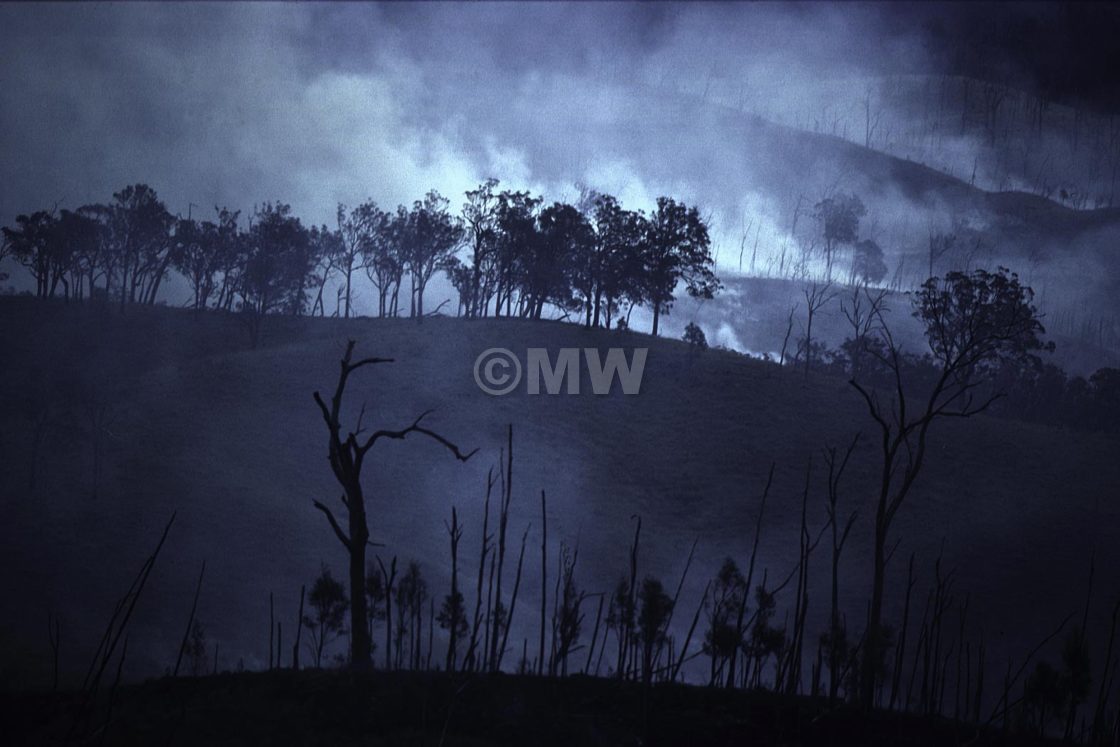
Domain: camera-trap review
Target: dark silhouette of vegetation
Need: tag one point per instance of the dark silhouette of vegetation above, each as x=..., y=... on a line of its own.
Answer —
x=694, y=336
x=327, y=621
x=974, y=322
x=594, y=259
x=347, y=454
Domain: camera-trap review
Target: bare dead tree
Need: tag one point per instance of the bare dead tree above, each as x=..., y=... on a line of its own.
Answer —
x=1099, y=726
x=741, y=621
x=816, y=297
x=900, y=648
x=862, y=309
x=801, y=603
x=676, y=667
x=837, y=633
x=299, y=631
x=940, y=244
x=676, y=599
x=347, y=455
x=789, y=331
x=115, y=632
x=499, y=613
x=451, y=616
x=513, y=598
x=190, y=622
x=544, y=582
x=472, y=657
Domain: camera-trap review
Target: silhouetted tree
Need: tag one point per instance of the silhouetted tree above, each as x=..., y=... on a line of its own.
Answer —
x=326, y=250
x=517, y=244
x=376, y=598
x=694, y=336
x=675, y=249
x=35, y=243
x=431, y=237
x=817, y=296
x=411, y=594
x=862, y=310
x=195, y=649
x=346, y=454
x=141, y=237
x=356, y=229
x=724, y=637
x=83, y=239
x=550, y=269
x=480, y=219
x=567, y=616
x=835, y=641
x=618, y=261
x=654, y=608
x=277, y=268
x=974, y=323
x=5, y=251
x=838, y=217
x=868, y=265
x=328, y=612
x=382, y=258
x=1045, y=694
x=203, y=250
x=453, y=614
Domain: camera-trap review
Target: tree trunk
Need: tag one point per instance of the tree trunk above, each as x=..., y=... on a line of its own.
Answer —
x=359, y=611
x=869, y=676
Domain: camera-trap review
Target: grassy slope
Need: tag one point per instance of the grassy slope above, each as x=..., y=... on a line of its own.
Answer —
x=231, y=439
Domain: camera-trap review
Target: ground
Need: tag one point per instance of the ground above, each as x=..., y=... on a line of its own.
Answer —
x=229, y=437
x=333, y=708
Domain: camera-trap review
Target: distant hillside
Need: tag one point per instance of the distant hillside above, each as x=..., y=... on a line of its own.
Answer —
x=230, y=438
x=753, y=314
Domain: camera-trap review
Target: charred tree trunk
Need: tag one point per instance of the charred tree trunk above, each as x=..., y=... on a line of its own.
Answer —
x=346, y=455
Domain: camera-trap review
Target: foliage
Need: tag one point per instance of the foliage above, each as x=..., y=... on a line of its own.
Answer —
x=695, y=338
x=975, y=321
x=329, y=605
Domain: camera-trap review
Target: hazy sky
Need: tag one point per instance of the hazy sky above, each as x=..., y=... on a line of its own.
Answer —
x=216, y=104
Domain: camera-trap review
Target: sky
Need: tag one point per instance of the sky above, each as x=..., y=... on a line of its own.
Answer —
x=316, y=104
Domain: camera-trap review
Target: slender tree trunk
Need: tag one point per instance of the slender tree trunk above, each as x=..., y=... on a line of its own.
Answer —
x=870, y=672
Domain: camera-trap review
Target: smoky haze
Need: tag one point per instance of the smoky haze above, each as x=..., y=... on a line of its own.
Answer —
x=963, y=120
x=326, y=103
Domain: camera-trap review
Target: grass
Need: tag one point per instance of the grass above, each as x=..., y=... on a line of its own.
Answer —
x=230, y=438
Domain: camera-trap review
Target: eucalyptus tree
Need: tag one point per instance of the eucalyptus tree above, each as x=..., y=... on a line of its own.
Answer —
x=142, y=238
x=480, y=223
x=975, y=323
x=431, y=237
x=676, y=250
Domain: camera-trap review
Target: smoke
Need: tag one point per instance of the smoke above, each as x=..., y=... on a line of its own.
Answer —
x=754, y=112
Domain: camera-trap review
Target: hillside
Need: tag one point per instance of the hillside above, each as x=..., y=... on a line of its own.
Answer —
x=230, y=438
x=758, y=180
x=752, y=314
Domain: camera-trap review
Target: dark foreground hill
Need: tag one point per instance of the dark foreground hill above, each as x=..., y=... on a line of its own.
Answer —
x=183, y=416
x=318, y=708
